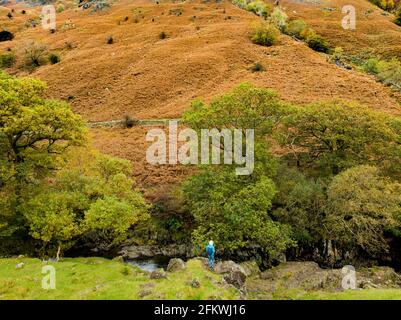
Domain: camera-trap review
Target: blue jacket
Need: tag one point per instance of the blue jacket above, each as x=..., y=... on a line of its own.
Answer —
x=210, y=250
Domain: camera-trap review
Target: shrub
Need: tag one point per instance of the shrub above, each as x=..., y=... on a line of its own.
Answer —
x=318, y=43
x=257, y=67
x=259, y=7
x=307, y=33
x=279, y=18
x=162, y=35
x=60, y=8
x=241, y=3
x=397, y=20
x=265, y=34
x=110, y=40
x=390, y=72
x=6, y=35
x=70, y=45
x=362, y=208
x=34, y=54
x=7, y=60
x=129, y=122
x=372, y=66
x=54, y=58
x=295, y=28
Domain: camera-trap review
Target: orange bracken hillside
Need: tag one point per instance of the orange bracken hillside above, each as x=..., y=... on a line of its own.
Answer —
x=207, y=51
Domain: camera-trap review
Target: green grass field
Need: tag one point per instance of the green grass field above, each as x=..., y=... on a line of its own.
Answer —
x=98, y=278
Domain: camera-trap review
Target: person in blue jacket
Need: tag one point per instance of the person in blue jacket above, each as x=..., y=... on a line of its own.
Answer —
x=210, y=253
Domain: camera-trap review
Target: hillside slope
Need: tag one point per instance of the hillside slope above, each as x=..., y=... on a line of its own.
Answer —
x=207, y=51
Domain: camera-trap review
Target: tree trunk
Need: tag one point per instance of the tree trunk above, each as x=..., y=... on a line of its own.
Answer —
x=58, y=253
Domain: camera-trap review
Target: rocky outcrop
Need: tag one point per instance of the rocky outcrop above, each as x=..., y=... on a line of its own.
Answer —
x=176, y=264
x=227, y=267
x=148, y=251
x=301, y=275
x=250, y=268
x=234, y=273
x=309, y=276
x=378, y=277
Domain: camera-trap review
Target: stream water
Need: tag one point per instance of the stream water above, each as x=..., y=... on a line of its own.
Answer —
x=150, y=264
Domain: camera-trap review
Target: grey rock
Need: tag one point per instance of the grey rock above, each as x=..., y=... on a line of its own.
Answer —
x=19, y=265
x=235, y=278
x=194, y=283
x=158, y=274
x=148, y=251
x=176, y=264
x=250, y=268
x=227, y=267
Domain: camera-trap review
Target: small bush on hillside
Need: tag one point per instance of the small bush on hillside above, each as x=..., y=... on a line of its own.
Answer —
x=265, y=34
x=371, y=66
x=60, y=8
x=54, y=58
x=317, y=43
x=110, y=40
x=390, y=72
x=70, y=45
x=6, y=35
x=34, y=54
x=7, y=60
x=129, y=122
x=279, y=18
x=257, y=67
x=397, y=20
x=162, y=35
x=388, y=5
x=295, y=28
x=241, y=3
x=259, y=7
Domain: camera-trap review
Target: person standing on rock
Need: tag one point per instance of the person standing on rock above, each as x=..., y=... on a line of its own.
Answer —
x=210, y=253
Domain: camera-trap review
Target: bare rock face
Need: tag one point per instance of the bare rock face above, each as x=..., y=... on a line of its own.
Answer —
x=148, y=251
x=236, y=278
x=176, y=264
x=158, y=274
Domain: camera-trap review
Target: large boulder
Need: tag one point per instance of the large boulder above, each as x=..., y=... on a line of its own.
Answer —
x=158, y=274
x=175, y=264
x=236, y=278
x=250, y=268
x=227, y=267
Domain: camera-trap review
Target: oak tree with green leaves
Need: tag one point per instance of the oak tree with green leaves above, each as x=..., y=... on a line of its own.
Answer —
x=363, y=206
x=92, y=199
x=34, y=133
x=336, y=135
x=234, y=210
x=52, y=188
